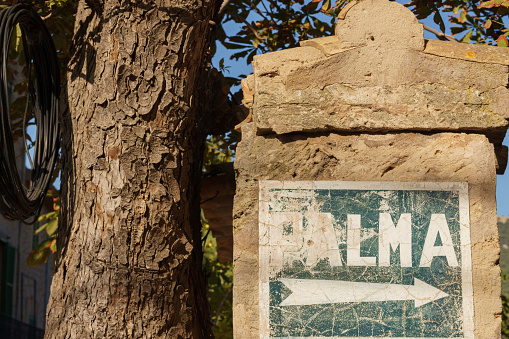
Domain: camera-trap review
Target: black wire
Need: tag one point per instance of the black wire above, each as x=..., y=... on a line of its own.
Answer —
x=17, y=201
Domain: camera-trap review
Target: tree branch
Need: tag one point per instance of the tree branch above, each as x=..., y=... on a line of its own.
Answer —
x=235, y=15
x=266, y=10
x=53, y=13
x=223, y=7
x=429, y=29
x=439, y=34
x=257, y=10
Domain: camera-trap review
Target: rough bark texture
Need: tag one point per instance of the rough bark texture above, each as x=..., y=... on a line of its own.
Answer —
x=129, y=261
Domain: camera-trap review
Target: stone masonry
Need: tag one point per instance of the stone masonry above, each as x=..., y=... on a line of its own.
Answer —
x=376, y=102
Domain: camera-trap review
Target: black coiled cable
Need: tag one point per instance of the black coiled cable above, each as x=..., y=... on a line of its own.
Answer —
x=17, y=201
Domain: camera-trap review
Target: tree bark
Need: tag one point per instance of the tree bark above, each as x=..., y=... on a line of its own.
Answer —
x=129, y=250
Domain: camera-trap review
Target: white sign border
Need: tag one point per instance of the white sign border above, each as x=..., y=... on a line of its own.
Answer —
x=466, y=256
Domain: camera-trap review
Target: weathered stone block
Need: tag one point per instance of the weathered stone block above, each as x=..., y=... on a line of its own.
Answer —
x=408, y=157
x=373, y=78
x=407, y=91
x=477, y=53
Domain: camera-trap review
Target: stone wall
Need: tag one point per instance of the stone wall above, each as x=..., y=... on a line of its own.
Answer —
x=375, y=102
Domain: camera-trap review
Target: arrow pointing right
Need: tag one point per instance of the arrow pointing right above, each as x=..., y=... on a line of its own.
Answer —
x=313, y=292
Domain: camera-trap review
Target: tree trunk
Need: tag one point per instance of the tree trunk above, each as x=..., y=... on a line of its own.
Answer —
x=129, y=250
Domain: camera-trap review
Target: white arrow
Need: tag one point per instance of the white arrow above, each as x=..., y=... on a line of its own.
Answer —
x=313, y=292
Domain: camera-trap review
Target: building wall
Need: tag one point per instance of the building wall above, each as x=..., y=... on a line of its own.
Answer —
x=29, y=283
x=26, y=300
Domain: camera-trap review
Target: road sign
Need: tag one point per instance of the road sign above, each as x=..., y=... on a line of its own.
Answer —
x=365, y=260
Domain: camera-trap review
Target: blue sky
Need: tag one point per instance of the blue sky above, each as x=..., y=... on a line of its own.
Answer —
x=237, y=68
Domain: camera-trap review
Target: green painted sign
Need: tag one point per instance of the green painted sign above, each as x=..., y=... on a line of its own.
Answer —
x=365, y=260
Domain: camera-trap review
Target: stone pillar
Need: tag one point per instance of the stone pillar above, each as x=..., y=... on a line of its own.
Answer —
x=365, y=202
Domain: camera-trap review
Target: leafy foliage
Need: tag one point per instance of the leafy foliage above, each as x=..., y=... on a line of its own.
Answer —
x=59, y=15
x=271, y=25
x=477, y=21
x=220, y=149
x=505, y=309
x=41, y=254
x=220, y=285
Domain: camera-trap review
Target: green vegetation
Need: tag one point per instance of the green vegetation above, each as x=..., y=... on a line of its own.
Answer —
x=220, y=279
x=503, y=229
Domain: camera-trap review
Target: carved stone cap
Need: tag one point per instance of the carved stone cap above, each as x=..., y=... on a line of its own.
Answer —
x=379, y=23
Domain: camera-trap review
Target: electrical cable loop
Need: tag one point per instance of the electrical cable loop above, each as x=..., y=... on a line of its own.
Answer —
x=23, y=200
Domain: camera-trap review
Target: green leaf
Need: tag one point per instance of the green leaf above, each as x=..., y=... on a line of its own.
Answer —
x=437, y=18
x=52, y=227
x=487, y=4
x=326, y=5
x=456, y=30
x=502, y=41
x=38, y=257
x=39, y=230
x=50, y=215
x=53, y=193
x=468, y=36
x=250, y=56
x=312, y=6
x=53, y=246
x=463, y=16
x=230, y=45
x=502, y=11
x=41, y=253
x=241, y=54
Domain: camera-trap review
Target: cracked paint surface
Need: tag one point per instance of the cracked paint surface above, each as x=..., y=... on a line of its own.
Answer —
x=365, y=260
